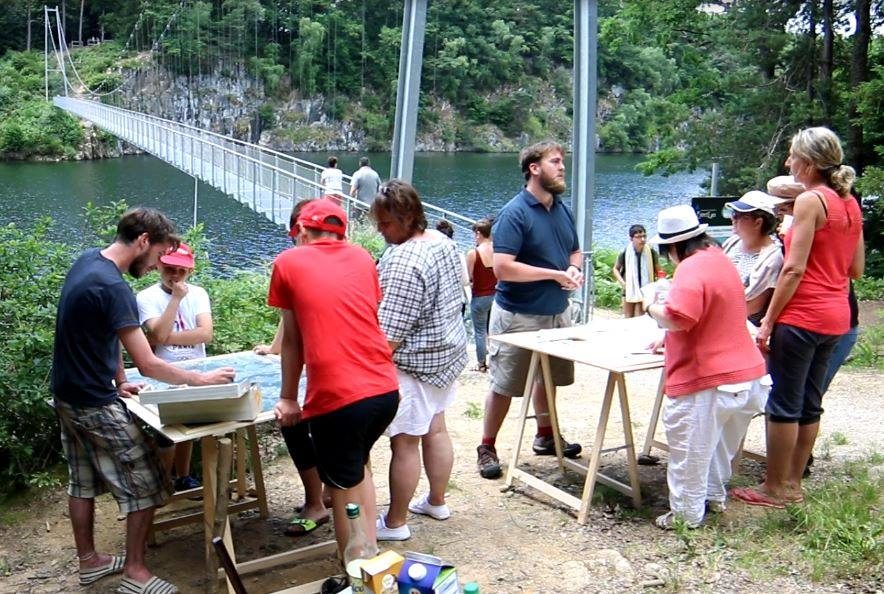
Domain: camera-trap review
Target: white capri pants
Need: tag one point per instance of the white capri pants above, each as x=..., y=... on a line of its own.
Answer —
x=704, y=431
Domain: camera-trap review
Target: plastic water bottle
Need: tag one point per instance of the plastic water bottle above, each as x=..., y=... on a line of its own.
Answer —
x=471, y=588
x=358, y=550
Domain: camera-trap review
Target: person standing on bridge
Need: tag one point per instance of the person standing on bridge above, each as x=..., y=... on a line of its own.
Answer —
x=365, y=182
x=332, y=179
x=537, y=262
x=104, y=447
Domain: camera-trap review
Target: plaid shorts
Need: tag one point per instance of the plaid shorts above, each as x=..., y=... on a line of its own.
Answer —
x=107, y=451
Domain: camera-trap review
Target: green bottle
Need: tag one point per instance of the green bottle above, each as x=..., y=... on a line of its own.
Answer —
x=471, y=588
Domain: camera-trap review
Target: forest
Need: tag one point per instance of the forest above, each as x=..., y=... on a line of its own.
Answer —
x=683, y=82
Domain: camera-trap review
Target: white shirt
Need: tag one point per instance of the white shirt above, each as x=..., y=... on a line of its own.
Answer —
x=332, y=179
x=152, y=302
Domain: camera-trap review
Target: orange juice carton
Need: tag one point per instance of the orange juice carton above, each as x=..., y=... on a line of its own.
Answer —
x=379, y=573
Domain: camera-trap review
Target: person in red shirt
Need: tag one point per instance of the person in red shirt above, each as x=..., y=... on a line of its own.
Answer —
x=809, y=310
x=481, y=270
x=328, y=292
x=715, y=375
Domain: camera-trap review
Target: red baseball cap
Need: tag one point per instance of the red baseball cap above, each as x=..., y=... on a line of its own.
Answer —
x=183, y=257
x=315, y=213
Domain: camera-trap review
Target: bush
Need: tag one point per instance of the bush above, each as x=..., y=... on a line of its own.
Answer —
x=607, y=291
x=240, y=314
x=32, y=270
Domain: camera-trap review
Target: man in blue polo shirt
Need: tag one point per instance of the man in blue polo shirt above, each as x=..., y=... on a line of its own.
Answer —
x=537, y=262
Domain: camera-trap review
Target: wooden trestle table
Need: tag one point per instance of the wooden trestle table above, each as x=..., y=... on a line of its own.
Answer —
x=617, y=346
x=217, y=459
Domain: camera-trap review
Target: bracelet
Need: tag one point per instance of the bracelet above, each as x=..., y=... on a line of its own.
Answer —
x=575, y=266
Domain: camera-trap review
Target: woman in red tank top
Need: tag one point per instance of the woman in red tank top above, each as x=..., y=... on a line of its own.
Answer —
x=481, y=268
x=808, y=311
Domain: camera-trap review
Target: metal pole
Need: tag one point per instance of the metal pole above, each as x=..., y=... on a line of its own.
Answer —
x=713, y=187
x=414, y=20
x=583, y=131
x=195, y=197
x=46, y=50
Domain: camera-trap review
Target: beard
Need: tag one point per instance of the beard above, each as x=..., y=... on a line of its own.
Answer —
x=551, y=184
x=139, y=266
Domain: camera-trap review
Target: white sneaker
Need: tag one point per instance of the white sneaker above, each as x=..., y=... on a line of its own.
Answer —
x=424, y=507
x=384, y=533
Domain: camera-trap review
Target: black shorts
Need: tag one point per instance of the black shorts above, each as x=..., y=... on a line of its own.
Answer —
x=342, y=439
x=799, y=359
x=297, y=442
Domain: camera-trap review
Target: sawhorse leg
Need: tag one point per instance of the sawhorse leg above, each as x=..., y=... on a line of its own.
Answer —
x=523, y=417
x=655, y=418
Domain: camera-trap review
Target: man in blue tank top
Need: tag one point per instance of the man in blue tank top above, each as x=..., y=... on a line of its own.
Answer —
x=537, y=262
x=105, y=449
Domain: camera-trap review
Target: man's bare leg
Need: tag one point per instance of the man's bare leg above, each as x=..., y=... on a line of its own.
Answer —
x=137, y=526
x=496, y=408
x=314, y=495
x=82, y=512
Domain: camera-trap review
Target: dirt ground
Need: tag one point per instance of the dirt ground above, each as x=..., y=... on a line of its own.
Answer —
x=515, y=541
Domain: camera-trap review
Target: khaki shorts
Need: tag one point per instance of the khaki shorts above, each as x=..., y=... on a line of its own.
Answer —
x=107, y=450
x=509, y=364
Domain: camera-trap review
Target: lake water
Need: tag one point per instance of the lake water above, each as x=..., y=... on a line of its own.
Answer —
x=471, y=184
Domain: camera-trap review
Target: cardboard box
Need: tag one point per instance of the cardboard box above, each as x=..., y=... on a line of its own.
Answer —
x=426, y=574
x=376, y=570
x=205, y=404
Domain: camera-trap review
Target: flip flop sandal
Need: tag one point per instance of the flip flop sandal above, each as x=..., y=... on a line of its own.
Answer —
x=481, y=368
x=333, y=585
x=154, y=585
x=93, y=574
x=755, y=497
x=301, y=526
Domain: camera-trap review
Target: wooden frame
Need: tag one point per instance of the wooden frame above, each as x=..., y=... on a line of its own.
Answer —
x=611, y=345
x=218, y=455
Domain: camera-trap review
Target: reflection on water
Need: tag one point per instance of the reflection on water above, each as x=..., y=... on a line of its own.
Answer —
x=471, y=184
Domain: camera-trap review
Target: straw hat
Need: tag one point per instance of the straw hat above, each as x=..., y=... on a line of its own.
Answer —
x=784, y=188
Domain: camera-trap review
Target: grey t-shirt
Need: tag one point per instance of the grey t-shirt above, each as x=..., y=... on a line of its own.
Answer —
x=366, y=181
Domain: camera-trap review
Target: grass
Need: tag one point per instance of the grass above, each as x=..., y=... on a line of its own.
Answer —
x=473, y=411
x=869, y=348
x=837, y=534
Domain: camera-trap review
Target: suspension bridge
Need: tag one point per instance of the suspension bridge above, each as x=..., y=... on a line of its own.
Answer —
x=267, y=181
x=271, y=182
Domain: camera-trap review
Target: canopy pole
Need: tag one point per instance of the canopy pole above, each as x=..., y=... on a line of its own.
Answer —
x=583, y=134
x=411, y=52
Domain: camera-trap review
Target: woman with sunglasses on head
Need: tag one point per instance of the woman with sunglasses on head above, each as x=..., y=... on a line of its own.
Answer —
x=809, y=311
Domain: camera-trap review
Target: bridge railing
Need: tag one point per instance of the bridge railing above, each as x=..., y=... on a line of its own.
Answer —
x=267, y=181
